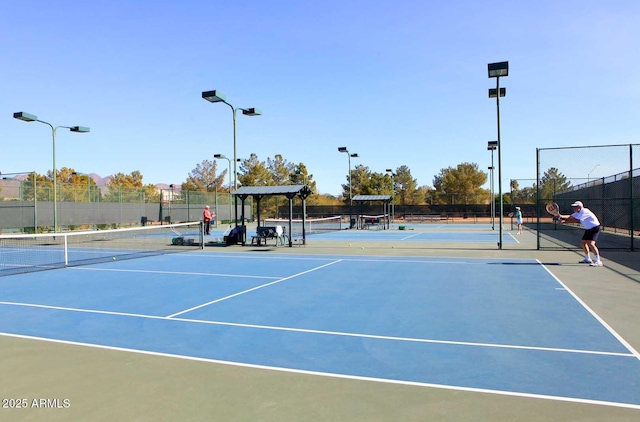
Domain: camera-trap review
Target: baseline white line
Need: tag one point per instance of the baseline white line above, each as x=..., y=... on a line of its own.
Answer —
x=252, y=289
x=172, y=272
x=324, y=332
x=595, y=315
x=335, y=375
x=409, y=237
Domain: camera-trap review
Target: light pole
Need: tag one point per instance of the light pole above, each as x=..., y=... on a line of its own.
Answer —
x=222, y=156
x=496, y=70
x=491, y=146
x=26, y=117
x=393, y=191
x=349, y=155
x=218, y=97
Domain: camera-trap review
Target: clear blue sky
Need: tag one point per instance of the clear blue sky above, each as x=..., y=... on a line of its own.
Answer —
x=400, y=82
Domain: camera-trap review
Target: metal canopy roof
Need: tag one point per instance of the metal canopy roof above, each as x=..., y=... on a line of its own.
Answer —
x=273, y=190
x=372, y=198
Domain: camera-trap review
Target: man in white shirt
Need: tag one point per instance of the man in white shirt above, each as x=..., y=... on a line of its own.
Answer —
x=591, y=223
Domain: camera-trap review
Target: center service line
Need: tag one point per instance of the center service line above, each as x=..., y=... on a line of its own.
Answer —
x=252, y=289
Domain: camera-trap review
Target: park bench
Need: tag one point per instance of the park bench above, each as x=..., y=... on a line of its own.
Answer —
x=264, y=233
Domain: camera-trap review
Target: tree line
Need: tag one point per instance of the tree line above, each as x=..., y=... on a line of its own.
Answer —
x=461, y=184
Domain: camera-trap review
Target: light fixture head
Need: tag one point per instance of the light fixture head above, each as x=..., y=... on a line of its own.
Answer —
x=21, y=115
x=251, y=112
x=499, y=69
x=493, y=91
x=219, y=156
x=343, y=149
x=213, y=96
x=80, y=129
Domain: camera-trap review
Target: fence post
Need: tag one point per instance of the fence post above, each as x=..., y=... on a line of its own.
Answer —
x=631, y=225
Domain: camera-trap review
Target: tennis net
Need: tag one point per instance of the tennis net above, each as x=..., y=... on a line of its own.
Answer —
x=373, y=221
x=37, y=252
x=311, y=225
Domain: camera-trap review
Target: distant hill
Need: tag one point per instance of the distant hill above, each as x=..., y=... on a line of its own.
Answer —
x=99, y=180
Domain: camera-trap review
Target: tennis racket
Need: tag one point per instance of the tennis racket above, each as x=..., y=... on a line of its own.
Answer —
x=510, y=214
x=553, y=209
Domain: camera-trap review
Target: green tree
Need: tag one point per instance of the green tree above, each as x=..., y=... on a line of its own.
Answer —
x=526, y=195
x=203, y=178
x=129, y=188
x=460, y=185
x=254, y=172
x=426, y=193
x=360, y=176
x=551, y=183
x=280, y=170
x=300, y=176
x=76, y=187
x=406, y=187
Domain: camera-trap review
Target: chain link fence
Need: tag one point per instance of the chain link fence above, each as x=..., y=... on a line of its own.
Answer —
x=27, y=206
x=604, y=178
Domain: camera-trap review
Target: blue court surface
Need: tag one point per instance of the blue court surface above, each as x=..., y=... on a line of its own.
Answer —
x=458, y=234
x=488, y=325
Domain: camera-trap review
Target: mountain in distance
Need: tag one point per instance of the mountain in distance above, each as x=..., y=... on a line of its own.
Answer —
x=102, y=181
x=99, y=180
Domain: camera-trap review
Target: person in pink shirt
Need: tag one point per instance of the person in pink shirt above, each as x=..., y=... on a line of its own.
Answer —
x=207, y=217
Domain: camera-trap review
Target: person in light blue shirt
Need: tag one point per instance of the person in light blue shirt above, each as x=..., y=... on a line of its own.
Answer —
x=519, y=219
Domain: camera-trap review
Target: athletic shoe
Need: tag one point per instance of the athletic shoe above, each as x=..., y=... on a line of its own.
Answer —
x=596, y=264
x=585, y=261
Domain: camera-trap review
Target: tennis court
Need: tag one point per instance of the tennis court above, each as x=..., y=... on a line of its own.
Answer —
x=420, y=315
x=487, y=325
x=458, y=233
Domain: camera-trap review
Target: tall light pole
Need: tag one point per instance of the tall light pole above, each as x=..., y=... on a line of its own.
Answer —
x=492, y=146
x=26, y=117
x=222, y=156
x=393, y=191
x=496, y=70
x=349, y=155
x=218, y=97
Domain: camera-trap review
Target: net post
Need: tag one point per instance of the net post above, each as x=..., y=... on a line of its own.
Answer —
x=201, y=234
x=538, y=210
x=631, y=225
x=66, y=250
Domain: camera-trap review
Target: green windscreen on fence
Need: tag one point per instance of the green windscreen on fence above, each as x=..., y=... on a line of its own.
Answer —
x=604, y=179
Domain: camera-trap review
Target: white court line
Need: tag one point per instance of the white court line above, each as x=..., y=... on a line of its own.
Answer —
x=323, y=332
x=596, y=316
x=172, y=272
x=335, y=375
x=409, y=237
x=252, y=289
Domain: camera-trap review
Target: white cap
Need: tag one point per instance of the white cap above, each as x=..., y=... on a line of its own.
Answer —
x=577, y=204
x=517, y=208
